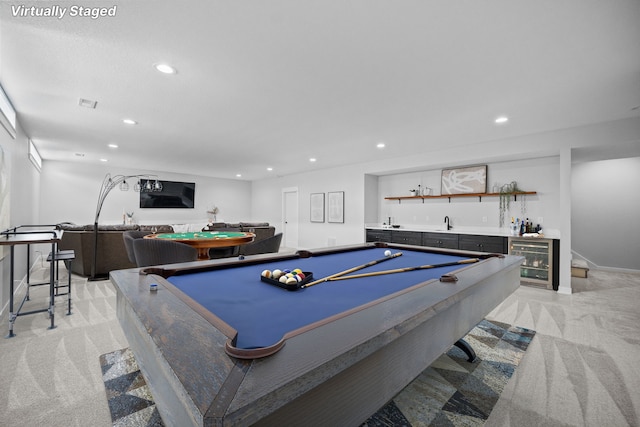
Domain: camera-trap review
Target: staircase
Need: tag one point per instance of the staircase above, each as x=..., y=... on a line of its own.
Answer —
x=579, y=268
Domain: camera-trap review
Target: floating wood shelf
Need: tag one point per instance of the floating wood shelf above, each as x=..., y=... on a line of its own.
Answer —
x=450, y=196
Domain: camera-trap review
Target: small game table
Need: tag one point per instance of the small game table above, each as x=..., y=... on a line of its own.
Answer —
x=205, y=240
x=217, y=345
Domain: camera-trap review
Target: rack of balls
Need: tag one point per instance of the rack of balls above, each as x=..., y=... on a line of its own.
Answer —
x=288, y=277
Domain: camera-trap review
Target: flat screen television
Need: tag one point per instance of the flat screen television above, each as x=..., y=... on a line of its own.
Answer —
x=173, y=195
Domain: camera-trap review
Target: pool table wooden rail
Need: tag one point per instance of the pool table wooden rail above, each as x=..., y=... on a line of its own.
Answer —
x=336, y=374
x=218, y=264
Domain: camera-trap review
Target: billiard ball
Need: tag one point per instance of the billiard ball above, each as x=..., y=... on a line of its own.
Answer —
x=291, y=281
x=276, y=274
x=296, y=270
x=301, y=276
x=283, y=279
x=387, y=253
x=266, y=273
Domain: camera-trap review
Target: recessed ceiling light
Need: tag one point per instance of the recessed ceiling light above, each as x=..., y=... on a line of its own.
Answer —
x=269, y=169
x=165, y=68
x=313, y=159
x=103, y=160
x=129, y=122
x=238, y=175
x=113, y=145
x=380, y=145
x=502, y=119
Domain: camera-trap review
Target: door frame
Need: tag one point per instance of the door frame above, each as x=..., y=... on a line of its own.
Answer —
x=285, y=223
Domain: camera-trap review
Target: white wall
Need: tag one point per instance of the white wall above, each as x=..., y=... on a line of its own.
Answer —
x=540, y=175
x=371, y=199
x=24, y=181
x=605, y=203
x=533, y=161
x=70, y=193
x=267, y=203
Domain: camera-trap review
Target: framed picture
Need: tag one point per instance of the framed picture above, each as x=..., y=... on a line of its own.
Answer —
x=470, y=179
x=317, y=207
x=336, y=206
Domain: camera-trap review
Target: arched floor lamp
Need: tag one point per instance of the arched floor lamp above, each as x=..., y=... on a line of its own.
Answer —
x=108, y=184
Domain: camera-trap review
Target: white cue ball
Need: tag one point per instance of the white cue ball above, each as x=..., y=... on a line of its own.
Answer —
x=387, y=253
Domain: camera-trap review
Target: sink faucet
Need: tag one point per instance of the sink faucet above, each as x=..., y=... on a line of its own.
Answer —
x=446, y=220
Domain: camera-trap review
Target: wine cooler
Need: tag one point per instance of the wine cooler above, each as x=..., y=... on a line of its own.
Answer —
x=538, y=267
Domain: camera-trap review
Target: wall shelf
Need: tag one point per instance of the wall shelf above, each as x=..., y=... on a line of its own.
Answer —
x=450, y=196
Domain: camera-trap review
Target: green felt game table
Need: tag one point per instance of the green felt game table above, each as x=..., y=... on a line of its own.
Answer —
x=205, y=240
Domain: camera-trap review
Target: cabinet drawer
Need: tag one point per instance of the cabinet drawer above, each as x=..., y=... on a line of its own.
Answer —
x=440, y=240
x=406, y=237
x=483, y=243
x=378, y=235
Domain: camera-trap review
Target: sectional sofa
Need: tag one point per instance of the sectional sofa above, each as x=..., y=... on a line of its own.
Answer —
x=112, y=255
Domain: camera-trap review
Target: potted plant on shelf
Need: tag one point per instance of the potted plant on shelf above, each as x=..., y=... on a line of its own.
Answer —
x=506, y=192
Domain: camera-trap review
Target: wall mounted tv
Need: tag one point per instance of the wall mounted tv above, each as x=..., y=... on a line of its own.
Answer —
x=173, y=195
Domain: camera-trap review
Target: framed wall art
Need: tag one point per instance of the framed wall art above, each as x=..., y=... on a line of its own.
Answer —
x=336, y=206
x=469, y=179
x=317, y=207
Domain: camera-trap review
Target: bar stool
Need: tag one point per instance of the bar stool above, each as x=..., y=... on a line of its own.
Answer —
x=67, y=256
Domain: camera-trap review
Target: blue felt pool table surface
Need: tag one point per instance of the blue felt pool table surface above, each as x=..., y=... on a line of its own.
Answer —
x=262, y=313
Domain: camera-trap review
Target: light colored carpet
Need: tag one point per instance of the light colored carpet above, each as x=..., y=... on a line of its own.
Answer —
x=580, y=369
x=451, y=392
x=51, y=377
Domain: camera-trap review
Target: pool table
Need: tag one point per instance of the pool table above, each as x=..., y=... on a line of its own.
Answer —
x=218, y=345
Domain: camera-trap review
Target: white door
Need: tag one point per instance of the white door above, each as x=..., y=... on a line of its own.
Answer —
x=290, y=219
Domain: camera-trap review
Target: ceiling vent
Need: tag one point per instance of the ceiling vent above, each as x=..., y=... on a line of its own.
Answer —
x=87, y=103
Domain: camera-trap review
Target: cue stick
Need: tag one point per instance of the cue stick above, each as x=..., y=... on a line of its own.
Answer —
x=403, y=270
x=351, y=270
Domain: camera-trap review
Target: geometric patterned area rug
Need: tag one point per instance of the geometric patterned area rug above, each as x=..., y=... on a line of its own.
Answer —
x=456, y=392
x=128, y=395
x=452, y=392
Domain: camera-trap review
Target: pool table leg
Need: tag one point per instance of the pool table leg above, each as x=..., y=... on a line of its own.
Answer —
x=468, y=350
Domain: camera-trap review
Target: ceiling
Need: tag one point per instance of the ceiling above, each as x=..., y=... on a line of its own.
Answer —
x=272, y=83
